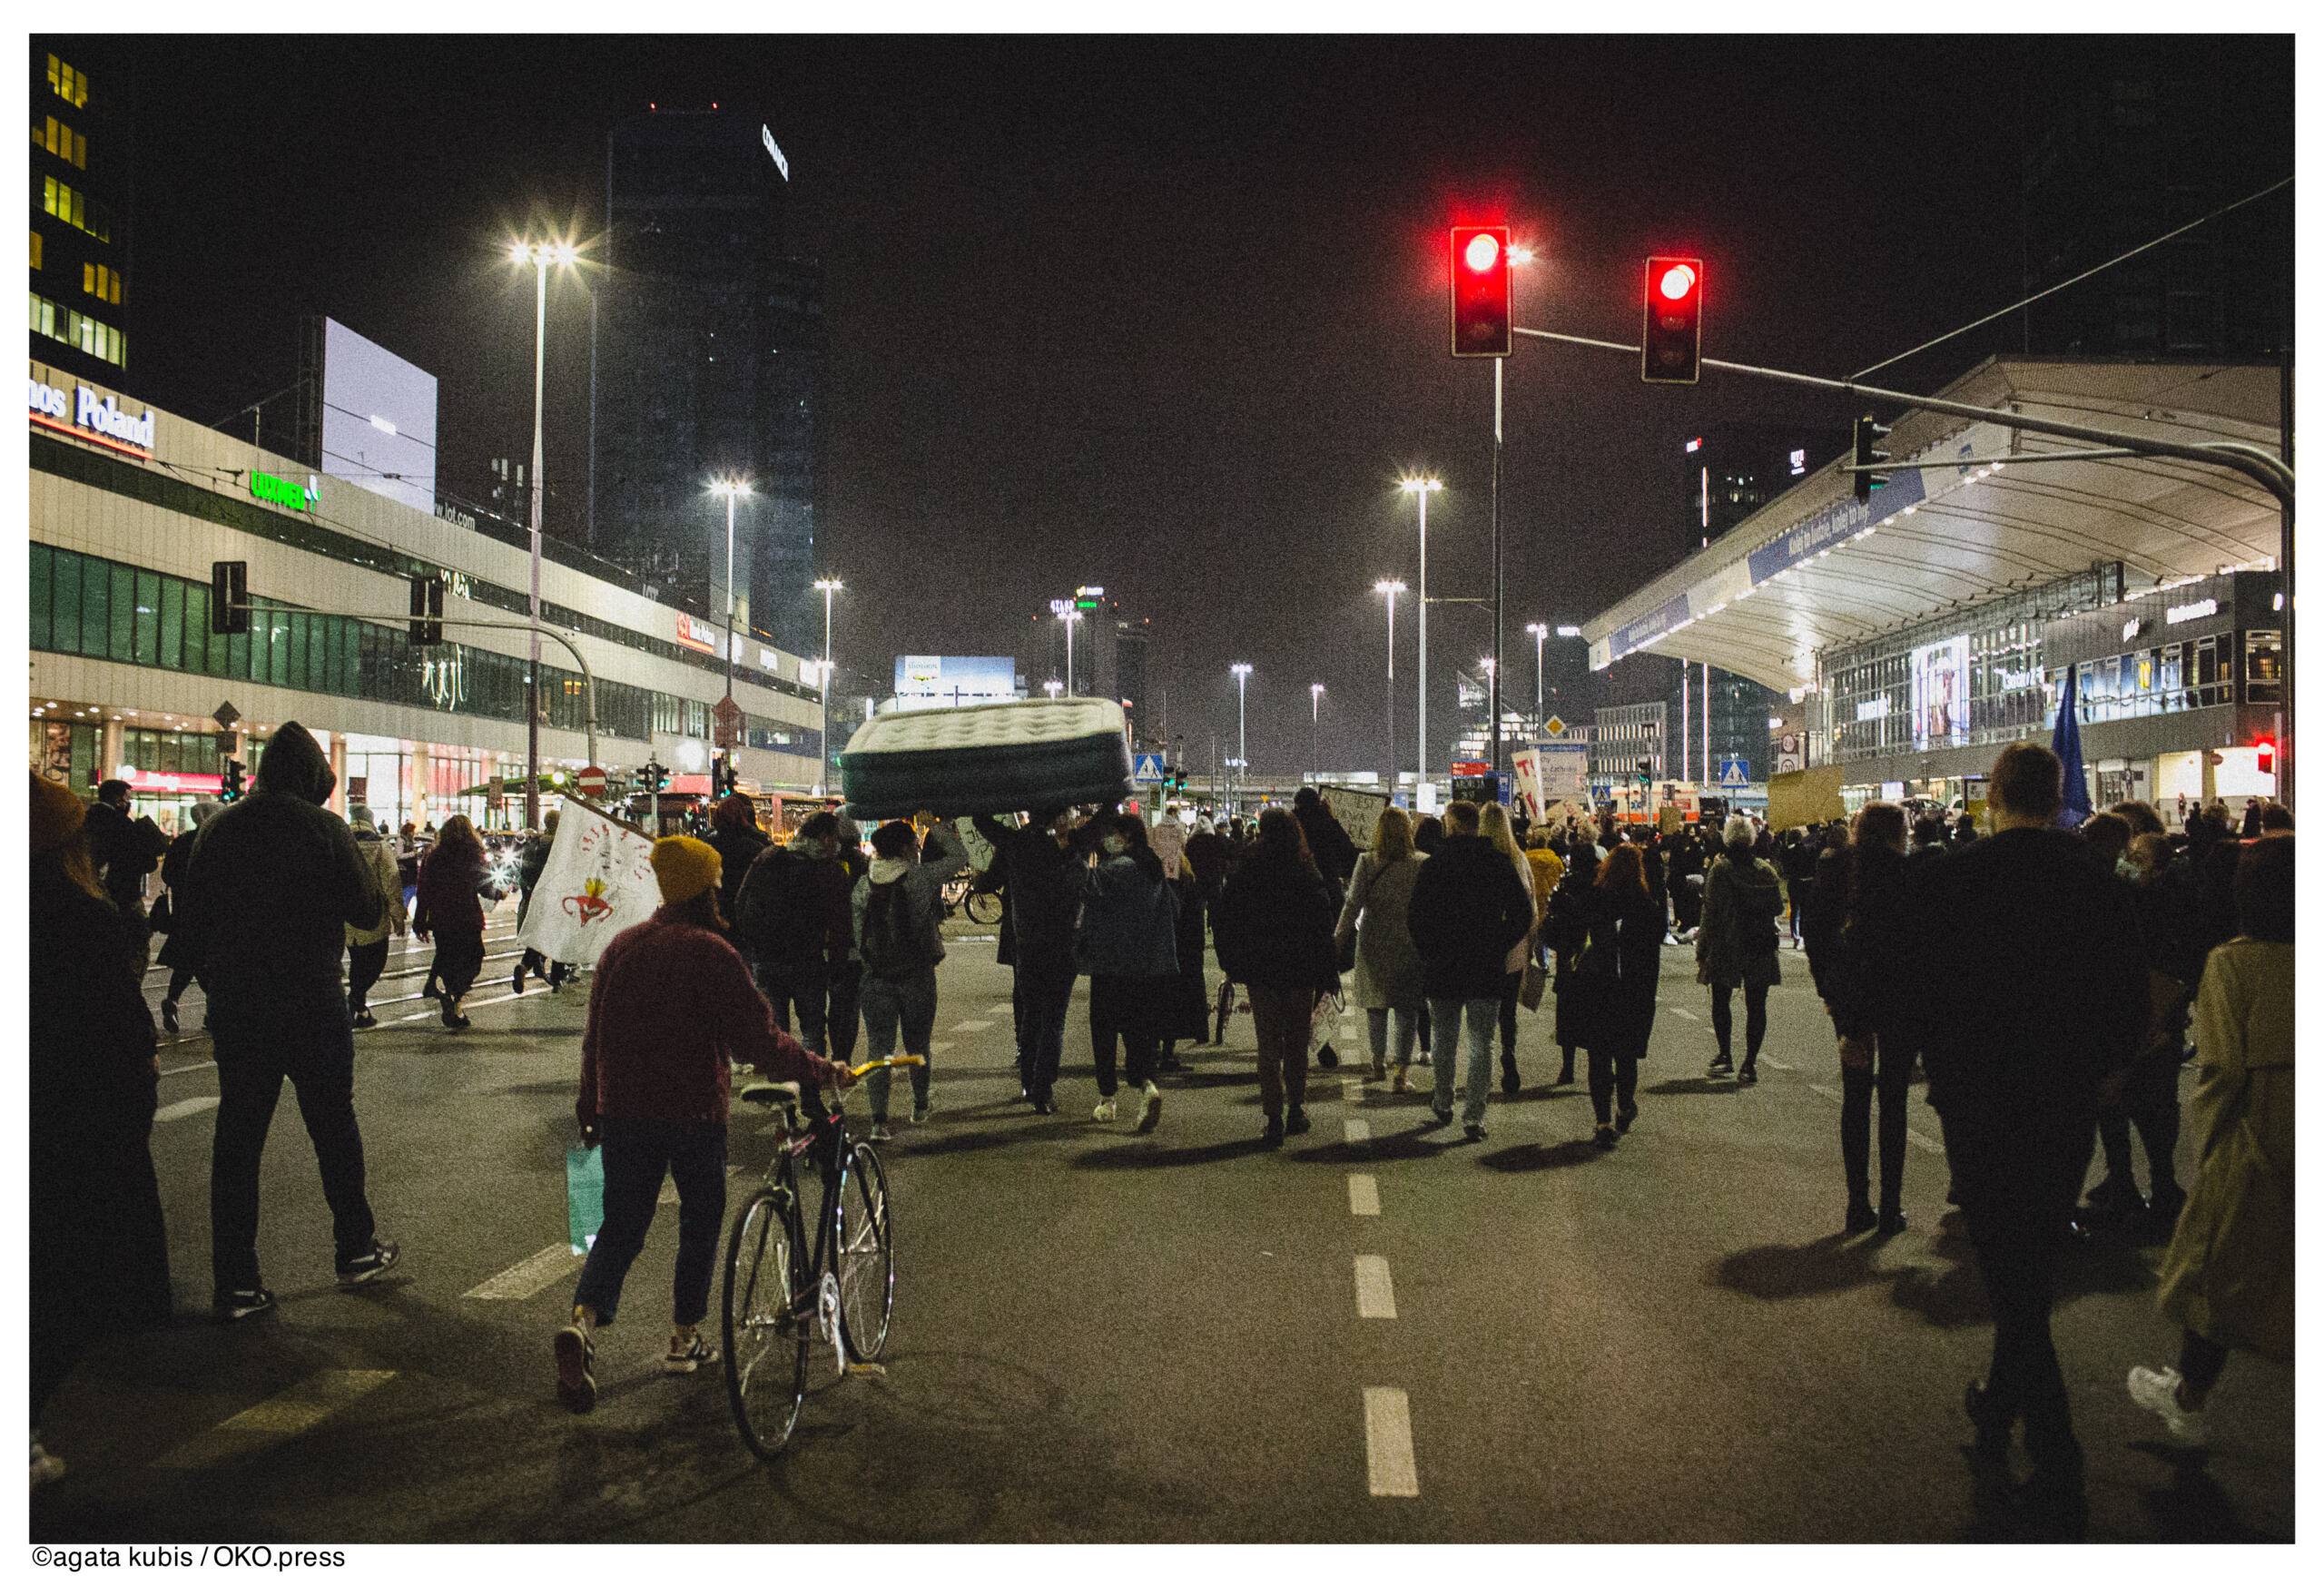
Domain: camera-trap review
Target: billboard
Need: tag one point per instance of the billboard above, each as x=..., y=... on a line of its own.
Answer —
x=378, y=420
x=954, y=681
x=1940, y=675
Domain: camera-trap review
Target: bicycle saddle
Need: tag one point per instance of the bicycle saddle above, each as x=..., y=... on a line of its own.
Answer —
x=784, y=1094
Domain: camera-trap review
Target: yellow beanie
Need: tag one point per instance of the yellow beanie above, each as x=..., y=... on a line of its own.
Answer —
x=683, y=867
x=57, y=815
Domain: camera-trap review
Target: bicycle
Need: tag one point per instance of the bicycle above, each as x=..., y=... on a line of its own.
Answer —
x=983, y=904
x=779, y=1298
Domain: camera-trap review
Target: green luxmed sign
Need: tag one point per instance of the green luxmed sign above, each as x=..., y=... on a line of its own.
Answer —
x=277, y=490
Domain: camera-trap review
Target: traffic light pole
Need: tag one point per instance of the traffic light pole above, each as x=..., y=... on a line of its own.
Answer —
x=2268, y=470
x=1492, y=678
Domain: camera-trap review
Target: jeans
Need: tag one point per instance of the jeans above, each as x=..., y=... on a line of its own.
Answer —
x=1445, y=1014
x=1891, y=1076
x=803, y=986
x=312, y=1044
x=460, y=954
x=638, y=1152
x=909, y=1003
x=1755, y=1020
x=365, y=961
x=1040, y=999
x=1407, y=1021
x=1124, y=1008
x=1282, y=1016
x=1613, y=1077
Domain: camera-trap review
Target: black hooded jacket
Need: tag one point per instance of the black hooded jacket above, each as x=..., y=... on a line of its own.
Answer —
x=270, y=885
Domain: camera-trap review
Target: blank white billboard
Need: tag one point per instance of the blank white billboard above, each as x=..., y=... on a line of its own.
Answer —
x=378, y=420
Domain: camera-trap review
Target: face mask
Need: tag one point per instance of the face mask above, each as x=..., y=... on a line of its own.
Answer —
x=1115, y=845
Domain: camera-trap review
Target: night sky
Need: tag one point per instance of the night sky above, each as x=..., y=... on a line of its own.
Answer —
x=1166, y=315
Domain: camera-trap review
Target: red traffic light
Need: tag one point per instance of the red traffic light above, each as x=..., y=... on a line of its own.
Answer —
x=1480, y=260
x=1483, y=251
x=1677, y=281
x=2267, y=754
x=1673, y=348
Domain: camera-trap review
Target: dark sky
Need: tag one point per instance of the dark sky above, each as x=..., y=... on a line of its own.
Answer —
x=1166, y=315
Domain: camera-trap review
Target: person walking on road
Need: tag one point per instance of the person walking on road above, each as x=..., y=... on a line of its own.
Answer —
x=1616, y=978
x=1275, y=935
x=1387, y=983
x=452, y=881
x=125, y=849
x=1860, y=984
x=1126, y=944
x=671, y=1009
x=99, y=1250
x=2014, y=1066
x=1799, y=849
x=793, y=923
x=531, y=860
x=1469, y=908
x=177, y=949
x=734, y=833
x=367, y=945
x=2227, y=1280
x=1566, y=931
x=1742, y=897
x=897, y=923
x=272, y=885
x=1041, y=864
x=1501, y=834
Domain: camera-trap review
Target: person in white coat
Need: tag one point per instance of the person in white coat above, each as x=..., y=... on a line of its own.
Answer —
x=1387, y=982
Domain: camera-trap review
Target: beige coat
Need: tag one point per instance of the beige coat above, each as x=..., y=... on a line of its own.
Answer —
x=1387, y=968
x=2227, y=1275
x=379, y=857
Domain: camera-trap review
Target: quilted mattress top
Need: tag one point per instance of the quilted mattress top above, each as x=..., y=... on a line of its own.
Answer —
x=1003, y=723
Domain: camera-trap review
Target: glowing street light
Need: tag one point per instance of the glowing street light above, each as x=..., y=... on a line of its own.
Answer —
x=1315, y=729
x=1391, y=590
x=1242, y=672
x=542, y=256
x=1420, y=488
x=827, y=586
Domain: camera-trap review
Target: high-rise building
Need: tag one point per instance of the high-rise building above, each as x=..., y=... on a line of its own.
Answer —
x=81, y=187
x=707, y=349
x=1131, y=637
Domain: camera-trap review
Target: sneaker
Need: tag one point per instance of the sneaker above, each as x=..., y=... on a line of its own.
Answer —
x=169, y=1022
x=1105, y=1110
x=1624, y=1117
x=1295, y=1121
x=1475, y=1131
x=1861, y=1218
x=1439, y=1118
x=881, y=1133
x=428, y=991
x=1399, y=1081
x=1273, y=1136
x=370, y=1264
x=1150, y=1111
x=1510, y=1083
x=1604, y=1137
x=1422, y=1058
x=920, y=1108
x=517, y=980
x=1749, y=1075
x=688, y=1354
x=576, y=1364
x=1891, y=1221
x=240, y=1303
x=47, y=1469
x=2157, y=1391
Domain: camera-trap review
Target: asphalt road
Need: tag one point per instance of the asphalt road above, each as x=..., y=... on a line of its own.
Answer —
x=1381, y=1332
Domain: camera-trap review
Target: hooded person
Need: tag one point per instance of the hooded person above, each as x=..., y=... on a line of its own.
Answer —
x=367, y=946
x=271, y=885
x=898, y=912
x=177, y=954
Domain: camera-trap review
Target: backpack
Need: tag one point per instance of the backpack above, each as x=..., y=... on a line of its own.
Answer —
x=777, y=910
x=895, y=944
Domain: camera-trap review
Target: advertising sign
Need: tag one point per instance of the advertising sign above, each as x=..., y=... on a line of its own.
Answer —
x=1637, y=632
x=378, y=418
x=1833, y=525
x=955, y=681
x=1940, y=675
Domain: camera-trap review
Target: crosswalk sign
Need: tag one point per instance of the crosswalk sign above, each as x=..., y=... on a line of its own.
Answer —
x=1734, y=772
x=1148, y=769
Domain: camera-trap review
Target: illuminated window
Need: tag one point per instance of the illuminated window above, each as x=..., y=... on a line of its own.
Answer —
x=67, y=83
x=74, y=208
x=103, y=282
x=62, y=140
x=36, y=249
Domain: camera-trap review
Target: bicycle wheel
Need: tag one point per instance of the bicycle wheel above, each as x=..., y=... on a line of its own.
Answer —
x=766, y=1347
x=984, y=908
x=867, y=1258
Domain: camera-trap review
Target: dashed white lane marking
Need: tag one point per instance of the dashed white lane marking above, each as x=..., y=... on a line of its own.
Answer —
x=465, y=1007
x=1913, y=1136
x=1356, y=1130
x=527, y=1276
x=289, y=1412
x=1375, y=1295
x=1363, y=1194
x=1689, y=1014
x=939, y=1045
x=967, y=1025
x=1778, y=1067
x=1388, y=1442
x=1352, y=1091
x=177, y=1109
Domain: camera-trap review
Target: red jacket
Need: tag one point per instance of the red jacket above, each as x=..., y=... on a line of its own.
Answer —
x=671, y=1007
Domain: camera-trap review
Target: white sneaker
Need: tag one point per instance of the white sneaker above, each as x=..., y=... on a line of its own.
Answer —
x=921, y=1109
x=1150, y=1109
x=881, y=1133
x=1105, y=1113
x=2157, y=1391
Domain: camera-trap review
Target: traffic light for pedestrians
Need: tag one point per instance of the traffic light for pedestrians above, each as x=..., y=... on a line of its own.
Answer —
x=230, y=597
x=1480, y=289
x=230, y=786
x=1646, y=771
x=1673, y=352
x=2266, y=760
x=1868, y=482
x=727, y=776
x=427, y=610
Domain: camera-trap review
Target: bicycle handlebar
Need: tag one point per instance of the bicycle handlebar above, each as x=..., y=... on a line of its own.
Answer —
x=860, y=1069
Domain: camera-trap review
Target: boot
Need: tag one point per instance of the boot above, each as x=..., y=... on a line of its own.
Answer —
x=1510, y=1083
x=1565, y=1068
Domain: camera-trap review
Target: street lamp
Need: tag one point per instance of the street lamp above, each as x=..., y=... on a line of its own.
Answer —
x=1517, y=254
x=827, y=588
x=1315, y=730
x=1068, y=615
x=1242, y=672
x=1420, y=488
x=1540, y=633
x=1053, y=687
x=540, y=255
x=1390, y=589
x=730, y=489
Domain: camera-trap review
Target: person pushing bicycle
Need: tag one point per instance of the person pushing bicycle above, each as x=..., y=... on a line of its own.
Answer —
x=673, y=1006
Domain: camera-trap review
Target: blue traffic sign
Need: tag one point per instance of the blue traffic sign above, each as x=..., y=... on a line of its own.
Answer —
x=1734, y=772
x=1149, y=768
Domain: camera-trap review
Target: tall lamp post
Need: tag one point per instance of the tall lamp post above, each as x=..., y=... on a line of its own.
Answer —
x=1391, y=590
x=1242, y=672
x=1420, y=488
x=1540, y=633
x=822, y=767
x=1315, y=730
x=1518, y=256
x=540, y=254
x=730, y=489
x=1068, y=615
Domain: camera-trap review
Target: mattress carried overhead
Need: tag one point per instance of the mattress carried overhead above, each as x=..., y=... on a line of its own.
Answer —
x=1012, y=756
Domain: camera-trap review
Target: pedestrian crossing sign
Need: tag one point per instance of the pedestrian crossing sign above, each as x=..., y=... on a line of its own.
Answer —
x=1734, y=772
x=1148, y=769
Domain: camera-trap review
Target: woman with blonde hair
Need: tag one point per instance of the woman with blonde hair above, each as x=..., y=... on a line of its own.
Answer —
x=1373, y=923
x=1501, y=834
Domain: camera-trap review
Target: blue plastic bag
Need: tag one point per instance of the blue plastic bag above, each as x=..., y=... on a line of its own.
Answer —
x=584, y=1195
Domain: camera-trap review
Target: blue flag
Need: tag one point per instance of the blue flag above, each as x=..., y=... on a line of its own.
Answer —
x=2066, y=742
